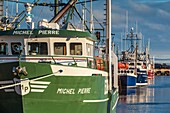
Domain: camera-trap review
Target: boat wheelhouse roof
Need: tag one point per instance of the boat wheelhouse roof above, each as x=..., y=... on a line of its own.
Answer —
x=48, y=33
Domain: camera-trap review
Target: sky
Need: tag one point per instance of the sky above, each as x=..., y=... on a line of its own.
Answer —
x=152, y=18
x=153, y=21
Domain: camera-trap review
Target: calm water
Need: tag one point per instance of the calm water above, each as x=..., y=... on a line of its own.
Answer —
x=154, y=98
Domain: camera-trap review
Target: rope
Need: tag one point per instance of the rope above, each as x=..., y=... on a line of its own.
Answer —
x=16, y=84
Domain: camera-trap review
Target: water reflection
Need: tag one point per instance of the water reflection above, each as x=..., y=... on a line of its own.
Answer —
x=154, y=98
x=131, y=98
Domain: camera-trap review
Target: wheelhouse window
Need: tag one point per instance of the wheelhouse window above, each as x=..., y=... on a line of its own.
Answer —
x=139, y=64
x=89, y=50
x=16, y=48
x=3, y=48
x=60, y=49
x=75, y=48
x=131, y=64
x=37, y=48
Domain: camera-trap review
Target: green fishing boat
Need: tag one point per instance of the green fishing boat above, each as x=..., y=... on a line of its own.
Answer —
x=54, y=69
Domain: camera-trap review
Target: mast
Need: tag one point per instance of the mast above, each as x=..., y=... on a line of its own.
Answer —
x=63, y=11
x=1, y=8
x=91, y=17
x=17, y=7
x=126, y=21
x=6, y=12
x=83, y=16
x=108, y=40
x=56, y=8
x=126, y=28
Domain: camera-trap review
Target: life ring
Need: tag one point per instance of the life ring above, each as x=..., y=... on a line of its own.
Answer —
x=15, y=48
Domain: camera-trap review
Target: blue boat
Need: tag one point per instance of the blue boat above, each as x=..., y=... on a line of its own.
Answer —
x=142, y=77
x=127, y=76
x=128, y=79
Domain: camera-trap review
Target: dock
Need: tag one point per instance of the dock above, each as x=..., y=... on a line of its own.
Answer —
x=162, y=72
x=162, y=69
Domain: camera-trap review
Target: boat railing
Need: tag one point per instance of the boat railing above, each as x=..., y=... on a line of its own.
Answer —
x=77, y=61
x=80, y=61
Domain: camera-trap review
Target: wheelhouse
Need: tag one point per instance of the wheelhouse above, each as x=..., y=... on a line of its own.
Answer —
x=61, y=44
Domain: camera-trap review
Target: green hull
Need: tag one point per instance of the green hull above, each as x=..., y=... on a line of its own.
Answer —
x=53, y=94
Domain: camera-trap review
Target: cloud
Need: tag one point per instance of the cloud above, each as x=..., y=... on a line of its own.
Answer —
x=151, y=1
x=140, y=8
x=157, y=26
x=153, y=20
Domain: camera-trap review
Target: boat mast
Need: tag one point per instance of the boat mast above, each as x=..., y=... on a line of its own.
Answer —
x=63, y=11
x=83, y=16
x=16, y=7
x=91, y=17
x=1, y=8
x=108, y=40
x=56, y=8
x=126, y=29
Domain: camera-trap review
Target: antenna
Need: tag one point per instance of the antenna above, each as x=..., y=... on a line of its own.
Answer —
x=136, y=27
x=126, y=29
x=126, y=22
x=148, y=45
x=121, y=42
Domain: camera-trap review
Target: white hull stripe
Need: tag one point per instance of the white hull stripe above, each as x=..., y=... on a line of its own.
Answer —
x=39, y=82
x=103, y=100
x=115, y=92
x=115, y=103
x=37, y=90
x=9, y=90
x=7, y=82
x=141, y=84
x=38, y=86
x=132, y=76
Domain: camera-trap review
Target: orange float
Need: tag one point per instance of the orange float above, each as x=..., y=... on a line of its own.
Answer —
x=123, y=65
x=99, y=63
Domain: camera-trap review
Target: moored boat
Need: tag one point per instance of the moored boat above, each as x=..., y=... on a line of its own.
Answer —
x=127, y=75
x=142, y=77
x=53, y=69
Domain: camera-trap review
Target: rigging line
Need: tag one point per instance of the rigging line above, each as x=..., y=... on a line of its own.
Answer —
x=74, y=20
x=12, y=9
x=81, y=18
x=41, y=12
x=38, y=17
x=94, y=17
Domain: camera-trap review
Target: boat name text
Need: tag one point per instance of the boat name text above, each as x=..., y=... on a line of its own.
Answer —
x=48, y=32
x=22, y=32
x=40, y=32
x=72, y=91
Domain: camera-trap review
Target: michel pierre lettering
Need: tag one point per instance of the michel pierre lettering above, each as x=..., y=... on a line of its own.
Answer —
x=48, y=32
x=65, y=91
x=72, y=91
x=23, y=32
x=84, y=90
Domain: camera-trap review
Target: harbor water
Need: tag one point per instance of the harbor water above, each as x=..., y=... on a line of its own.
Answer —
x=154, y=98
